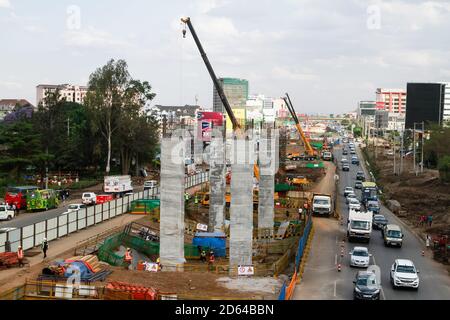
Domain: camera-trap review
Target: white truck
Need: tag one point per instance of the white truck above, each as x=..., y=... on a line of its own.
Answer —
x=6, y=212
x=359, y=225
x=322, y=204
x=117, y=184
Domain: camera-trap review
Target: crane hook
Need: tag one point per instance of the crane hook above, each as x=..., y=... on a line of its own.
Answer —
x=184, y=32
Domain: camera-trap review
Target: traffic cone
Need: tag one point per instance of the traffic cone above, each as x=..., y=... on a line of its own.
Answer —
x=339, y=267
x=423, y=253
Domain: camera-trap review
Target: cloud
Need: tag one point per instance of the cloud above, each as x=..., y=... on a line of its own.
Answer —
x=5, y=4
x=93, y=38
x=287, y=74
x=10, y=85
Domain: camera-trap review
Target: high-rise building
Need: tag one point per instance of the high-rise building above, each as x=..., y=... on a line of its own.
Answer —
x=391, y=100
x=236, y=91
x=427, y=103
x=366, y=108
x=71, y=93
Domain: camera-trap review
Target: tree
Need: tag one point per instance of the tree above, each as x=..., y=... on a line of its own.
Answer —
x=444, y=168
x=115, y=101
x=20, y=147
x=106, y=96
x=345, y=122
x=437, y=146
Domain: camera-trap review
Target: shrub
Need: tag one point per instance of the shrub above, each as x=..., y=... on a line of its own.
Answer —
x=444, y=168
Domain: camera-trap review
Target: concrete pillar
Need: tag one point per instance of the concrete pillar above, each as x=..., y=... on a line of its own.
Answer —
x=268, y=167
x=217, y=181
x=172, y=202
x=241, y=210
x=198, y=146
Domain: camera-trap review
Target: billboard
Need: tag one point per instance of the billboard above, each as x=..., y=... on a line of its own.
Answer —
x=240, y=115
x=206, y=121
x=424, y=102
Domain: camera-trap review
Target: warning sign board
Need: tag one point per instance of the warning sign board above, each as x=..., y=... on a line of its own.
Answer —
x=246, y=270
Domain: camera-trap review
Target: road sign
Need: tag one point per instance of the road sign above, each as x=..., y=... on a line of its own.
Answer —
x=246, y=270
x=202, y=227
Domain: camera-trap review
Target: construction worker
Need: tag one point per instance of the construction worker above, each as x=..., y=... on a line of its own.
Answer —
x=20, y=256
x=158, y=262
x=44, y=247
x=211, y=260
x=186, y=196
x=203, y=256
x=196, y=199
x=128, y=259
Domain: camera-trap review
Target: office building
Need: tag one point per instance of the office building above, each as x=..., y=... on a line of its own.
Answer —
x=236, y=91
x=366, y=108
x=71, y=93
x=391, y=100
x=426, y=103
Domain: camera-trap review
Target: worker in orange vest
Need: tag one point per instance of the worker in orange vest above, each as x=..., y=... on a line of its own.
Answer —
x=128, y=258
x=211, y=259
x=20, y=256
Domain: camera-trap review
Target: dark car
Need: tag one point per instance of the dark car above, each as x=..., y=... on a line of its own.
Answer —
x=345, y=167
x=355, y=160
x=344, y=152
x=358, y=185
x=379, y=221
x=360, y=176
x=366, y=286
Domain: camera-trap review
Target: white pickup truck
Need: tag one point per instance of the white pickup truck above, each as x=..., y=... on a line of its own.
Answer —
x=6, y=213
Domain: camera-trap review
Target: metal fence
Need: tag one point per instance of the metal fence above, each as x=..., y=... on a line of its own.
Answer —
x=32, y=235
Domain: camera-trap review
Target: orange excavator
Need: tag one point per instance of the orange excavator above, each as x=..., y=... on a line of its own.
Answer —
x=310, y=153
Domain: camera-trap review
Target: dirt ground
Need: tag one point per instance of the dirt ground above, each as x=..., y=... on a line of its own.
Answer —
x=418, y=195
x=196, y=284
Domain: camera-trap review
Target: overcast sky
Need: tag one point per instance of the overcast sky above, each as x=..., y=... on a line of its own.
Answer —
x=327, y=54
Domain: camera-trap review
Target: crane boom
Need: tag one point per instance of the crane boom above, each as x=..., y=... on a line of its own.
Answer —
x=305, y=140
x=217, y=85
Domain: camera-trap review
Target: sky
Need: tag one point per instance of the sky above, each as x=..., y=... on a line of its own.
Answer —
x=327, y=54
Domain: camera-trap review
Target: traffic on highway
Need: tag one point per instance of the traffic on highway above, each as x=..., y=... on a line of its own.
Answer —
x=375, y=240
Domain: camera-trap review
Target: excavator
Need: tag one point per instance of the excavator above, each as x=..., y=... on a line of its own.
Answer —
x=310, y=153
x=236, y=127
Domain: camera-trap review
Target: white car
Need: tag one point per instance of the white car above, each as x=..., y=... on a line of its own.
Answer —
x=360, y=257
x=354, y=205
x=75, y=207
x=89, y=198
x=348, y=190
x=349, y=197
x=404, y=274
x=150, y=184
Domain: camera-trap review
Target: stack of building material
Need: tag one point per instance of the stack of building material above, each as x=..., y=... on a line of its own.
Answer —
x=91, y=261
x=8, y=260
x=137, y=292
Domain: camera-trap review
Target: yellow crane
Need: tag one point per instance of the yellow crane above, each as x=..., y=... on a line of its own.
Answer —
x=310, y=152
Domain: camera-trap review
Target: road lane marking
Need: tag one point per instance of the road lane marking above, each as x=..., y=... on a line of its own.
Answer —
x=335, y=259
x=381, y=290
x=335, y=288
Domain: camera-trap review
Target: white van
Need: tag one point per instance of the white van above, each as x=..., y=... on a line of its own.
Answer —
x=89, y=198
x=6, y=213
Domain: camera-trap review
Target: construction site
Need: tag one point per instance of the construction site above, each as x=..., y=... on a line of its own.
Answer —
x=239, y=235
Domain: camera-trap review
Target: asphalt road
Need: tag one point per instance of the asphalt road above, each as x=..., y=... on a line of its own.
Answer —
x=28, y=218
x=322, y=280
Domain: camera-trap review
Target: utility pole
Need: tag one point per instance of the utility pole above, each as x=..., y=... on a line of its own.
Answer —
x=402, y=152
x=414, y=149
x=421, y=156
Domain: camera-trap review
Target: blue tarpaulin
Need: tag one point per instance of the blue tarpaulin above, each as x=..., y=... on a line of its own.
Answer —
x=85, y=273
x=215, y=241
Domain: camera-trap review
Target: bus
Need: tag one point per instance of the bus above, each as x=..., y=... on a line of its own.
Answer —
x=42, y=200
x=18, y=196
x=369, y=191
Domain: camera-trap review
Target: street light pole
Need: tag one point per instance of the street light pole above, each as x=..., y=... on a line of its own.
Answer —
x=421, y=156
x=402, y=152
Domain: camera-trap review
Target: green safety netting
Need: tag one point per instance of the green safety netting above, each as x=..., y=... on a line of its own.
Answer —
x=317, y=145
x=283, y=187
x=315, y=165
x=107, y=253
x=148, y=204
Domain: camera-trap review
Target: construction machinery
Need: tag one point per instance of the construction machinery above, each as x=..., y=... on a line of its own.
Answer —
x=310, y=153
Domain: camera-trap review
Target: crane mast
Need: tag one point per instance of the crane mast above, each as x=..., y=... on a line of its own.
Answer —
x=219, y=89
x=309, y=149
